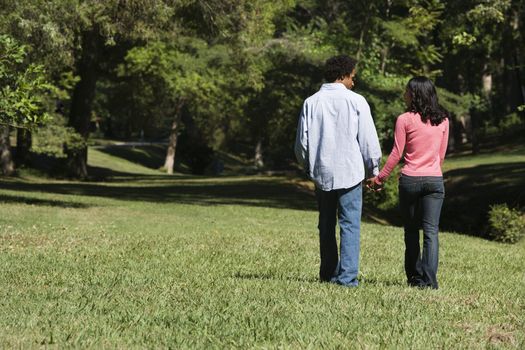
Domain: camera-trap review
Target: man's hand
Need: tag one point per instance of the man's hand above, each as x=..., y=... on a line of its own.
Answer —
x=373, y=184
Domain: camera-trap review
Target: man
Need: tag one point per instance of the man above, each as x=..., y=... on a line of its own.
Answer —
x=337, y=144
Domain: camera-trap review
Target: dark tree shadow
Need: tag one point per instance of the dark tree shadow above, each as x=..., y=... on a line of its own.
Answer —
x=471, y=191
x=41, y=202
x=206, y=191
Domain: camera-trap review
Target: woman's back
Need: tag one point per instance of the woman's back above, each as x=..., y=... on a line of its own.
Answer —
x=426, y=145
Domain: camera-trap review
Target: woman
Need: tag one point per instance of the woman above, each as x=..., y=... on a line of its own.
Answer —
x=422, y=133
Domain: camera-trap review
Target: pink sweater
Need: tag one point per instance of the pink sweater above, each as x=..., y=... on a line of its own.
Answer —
x=425, y=146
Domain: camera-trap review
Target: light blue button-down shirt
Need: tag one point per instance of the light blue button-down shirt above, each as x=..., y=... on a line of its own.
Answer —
x=336, y=138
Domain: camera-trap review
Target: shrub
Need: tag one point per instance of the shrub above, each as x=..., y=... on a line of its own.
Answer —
x=50, y=140
x=506, y=224
x=388, y=198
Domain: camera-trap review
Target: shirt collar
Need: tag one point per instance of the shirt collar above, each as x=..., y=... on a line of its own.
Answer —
x=333, y=86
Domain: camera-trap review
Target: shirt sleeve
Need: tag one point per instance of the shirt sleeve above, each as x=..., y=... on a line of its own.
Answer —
x=368, y=140
x=397, y=150
x=301, y=139
x=444, y=142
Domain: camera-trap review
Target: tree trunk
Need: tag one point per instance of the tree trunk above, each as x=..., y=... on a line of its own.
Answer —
x=487, y=84
x=385, y=52
x=515, y=24
x=517, y=72
x=172, y=146
x=6, y=157
x=363, y=32
x=386, y=49
x=23, y=146
x=384, y=56
x=82, y=101
x=486, y=88
x=172, y=142
x=259, y=163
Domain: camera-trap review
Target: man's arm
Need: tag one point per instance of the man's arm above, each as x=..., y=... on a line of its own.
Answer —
x=368, y=140
x=301, y=139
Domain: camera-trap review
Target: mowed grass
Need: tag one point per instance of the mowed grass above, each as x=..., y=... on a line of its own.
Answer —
x=148, y=261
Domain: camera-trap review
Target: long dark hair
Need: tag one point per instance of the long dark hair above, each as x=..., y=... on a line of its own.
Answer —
x=424, y=100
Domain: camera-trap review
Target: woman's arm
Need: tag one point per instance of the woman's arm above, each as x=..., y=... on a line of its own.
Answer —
x=397, y=150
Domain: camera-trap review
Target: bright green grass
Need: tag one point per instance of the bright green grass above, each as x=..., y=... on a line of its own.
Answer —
x=149, y=262
x=513, y=154
x=104, y=160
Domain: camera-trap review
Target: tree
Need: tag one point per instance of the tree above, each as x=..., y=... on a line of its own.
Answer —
x=187, y=73
x=21, y=95
x=86, y=33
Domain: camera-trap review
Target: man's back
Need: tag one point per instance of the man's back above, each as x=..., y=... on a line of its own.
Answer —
x=335, y=134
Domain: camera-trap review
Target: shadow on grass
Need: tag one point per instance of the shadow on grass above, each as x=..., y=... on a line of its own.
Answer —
x=471, y=191
x=277, y=277
x=41, y=202
x=269, y=276
x=387, y=283
x=206, y=191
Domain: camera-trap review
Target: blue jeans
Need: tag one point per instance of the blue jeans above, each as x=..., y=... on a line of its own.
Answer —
x=420, y=200
x=346, y=205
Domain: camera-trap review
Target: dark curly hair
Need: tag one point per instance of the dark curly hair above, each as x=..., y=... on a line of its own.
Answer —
x=338, y=67
x=424, y=100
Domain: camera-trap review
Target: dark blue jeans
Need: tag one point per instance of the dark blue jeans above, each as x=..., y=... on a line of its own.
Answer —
x=420, y=200
x=344, y=204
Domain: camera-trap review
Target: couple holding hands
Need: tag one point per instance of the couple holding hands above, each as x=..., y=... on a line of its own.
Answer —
x=338, y=146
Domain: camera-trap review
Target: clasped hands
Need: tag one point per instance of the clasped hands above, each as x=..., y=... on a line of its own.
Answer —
x=373, y=184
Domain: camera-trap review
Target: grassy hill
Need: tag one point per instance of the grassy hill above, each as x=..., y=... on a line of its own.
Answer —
x=147, y=260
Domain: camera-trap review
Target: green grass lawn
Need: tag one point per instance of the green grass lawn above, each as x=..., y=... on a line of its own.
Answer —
x=145, y=260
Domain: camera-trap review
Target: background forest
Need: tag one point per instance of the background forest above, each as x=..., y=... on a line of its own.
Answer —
x=230, y=76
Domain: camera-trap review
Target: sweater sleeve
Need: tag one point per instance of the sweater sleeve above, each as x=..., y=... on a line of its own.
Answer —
x=444, y=142
x=397, y=150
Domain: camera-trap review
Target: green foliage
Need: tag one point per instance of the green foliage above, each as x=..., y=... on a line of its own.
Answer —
x=455, y=104
x=463, y=39
x=388, y=198
x=489, y=11
x=50, y=140
x=186, y=72
x=240, y=69
x=506, y=225
x=384, y=94
x=22, y=87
